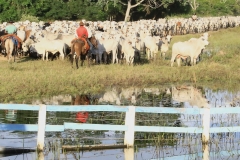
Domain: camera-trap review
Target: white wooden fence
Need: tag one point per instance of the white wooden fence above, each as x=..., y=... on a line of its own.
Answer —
x=129, y=127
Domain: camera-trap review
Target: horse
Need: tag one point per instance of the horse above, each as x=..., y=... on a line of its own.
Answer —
x=78, y=51
x=81, y=100
x=11, y=48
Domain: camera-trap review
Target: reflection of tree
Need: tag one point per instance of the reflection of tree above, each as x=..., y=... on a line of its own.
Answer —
x=27, y=117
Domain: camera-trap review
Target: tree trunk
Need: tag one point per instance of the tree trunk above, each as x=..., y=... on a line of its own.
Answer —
x=194, y=5
x=129, y=7
x=127, y=14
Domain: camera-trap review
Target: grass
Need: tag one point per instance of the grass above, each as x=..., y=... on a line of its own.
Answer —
x=219, y=69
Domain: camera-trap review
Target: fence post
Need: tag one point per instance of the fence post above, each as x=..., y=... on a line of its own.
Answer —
x=130, y=123
x=129, y=153
x=41, y=127
x=206, y=125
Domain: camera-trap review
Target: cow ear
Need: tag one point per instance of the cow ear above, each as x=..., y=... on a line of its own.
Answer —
x=31, y=37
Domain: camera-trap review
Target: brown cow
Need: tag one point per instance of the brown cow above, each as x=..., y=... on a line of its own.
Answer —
x=178, y=27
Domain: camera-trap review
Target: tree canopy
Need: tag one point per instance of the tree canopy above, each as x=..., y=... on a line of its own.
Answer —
x=118, y=10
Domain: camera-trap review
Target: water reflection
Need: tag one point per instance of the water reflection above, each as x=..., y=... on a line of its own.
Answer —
x=81, y=100
x=10, y=115
x=147, y=145
x=193, y=96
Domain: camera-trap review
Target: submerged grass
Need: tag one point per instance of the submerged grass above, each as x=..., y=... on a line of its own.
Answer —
x=219, y=69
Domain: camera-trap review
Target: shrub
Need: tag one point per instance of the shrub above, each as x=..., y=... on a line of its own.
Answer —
x=29, y=17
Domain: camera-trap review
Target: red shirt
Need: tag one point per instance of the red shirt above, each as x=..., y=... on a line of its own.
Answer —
x=82, y=32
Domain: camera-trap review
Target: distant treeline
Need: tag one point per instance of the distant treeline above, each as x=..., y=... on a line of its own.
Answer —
x=48, y=10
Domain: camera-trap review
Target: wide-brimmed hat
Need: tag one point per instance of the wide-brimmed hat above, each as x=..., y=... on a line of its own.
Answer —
x=81, y=23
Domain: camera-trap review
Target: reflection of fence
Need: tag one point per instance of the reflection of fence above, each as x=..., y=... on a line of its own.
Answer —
x=129, y=126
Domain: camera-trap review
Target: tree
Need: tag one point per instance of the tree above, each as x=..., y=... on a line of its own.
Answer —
x=194, y=4
x=148, y=4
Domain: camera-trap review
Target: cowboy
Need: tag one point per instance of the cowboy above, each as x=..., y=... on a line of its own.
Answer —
x=11, y=31
x=89, y=35
x=10, y=28
x=82, y=33
x=194, y=17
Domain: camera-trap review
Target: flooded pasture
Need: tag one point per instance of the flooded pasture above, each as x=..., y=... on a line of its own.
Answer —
x=147, y=145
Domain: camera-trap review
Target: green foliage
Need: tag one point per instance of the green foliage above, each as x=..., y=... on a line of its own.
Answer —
x=29, y=17
x=35, y=10
x=218, y=7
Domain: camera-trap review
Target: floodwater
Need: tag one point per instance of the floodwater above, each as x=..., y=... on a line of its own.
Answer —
x=147, y=145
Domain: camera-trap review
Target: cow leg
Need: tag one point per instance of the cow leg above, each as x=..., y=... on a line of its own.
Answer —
x=172, y=60
x=162, y=54
x=113, y=56
x=43, y=56
x=105, y=55
x=46, y=56
x=61, y=54
x=178, y=61
x=192, y=61
x=131, y=61
x=100, y=57
x=148, y=53
x=88, y=60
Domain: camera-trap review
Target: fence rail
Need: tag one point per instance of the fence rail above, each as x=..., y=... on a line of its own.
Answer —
x=129, y=126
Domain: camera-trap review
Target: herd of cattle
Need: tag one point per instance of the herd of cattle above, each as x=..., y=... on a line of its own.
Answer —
x=122, y=40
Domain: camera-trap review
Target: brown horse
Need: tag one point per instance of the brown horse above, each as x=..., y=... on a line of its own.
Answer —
x=78, y=51
x=81, y=100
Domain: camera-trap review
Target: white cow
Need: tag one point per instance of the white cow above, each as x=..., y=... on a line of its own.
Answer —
x=188, y=48
x=128, y=48
x=165, y=45
x=45, y=46
x=107, y=46
x=151, y=46
x=204, y=36
x=21, y=35
x=51, y=36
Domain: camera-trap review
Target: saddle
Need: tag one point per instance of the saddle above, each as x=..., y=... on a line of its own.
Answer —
x=86, y=45
x=4, y=37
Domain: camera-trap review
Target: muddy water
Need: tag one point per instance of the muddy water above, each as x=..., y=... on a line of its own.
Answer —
x=147, y=145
